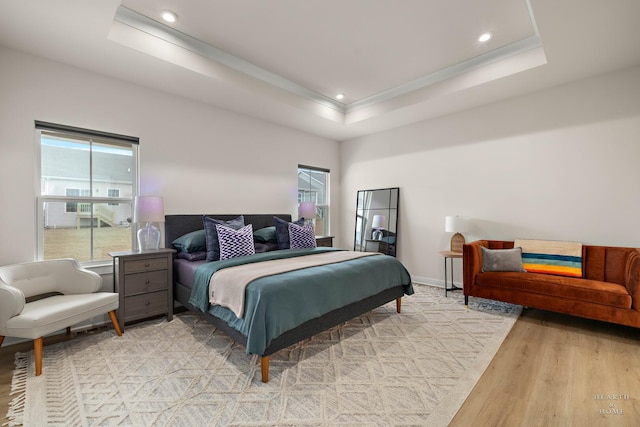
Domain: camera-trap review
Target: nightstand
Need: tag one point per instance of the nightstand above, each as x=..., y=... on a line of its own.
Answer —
x=144, y=281
x=324, y=241
x=376, y=246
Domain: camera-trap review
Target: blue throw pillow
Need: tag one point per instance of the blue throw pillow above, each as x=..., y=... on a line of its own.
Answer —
x=282, y=231
x=265, y=235
x=235, y=243
x=213, y=245
x=196, y=241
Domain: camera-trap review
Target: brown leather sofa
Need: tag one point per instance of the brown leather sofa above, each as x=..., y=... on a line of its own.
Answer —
x=609, y=289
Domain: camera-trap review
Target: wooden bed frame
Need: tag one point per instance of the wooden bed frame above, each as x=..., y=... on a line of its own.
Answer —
x=178, y=225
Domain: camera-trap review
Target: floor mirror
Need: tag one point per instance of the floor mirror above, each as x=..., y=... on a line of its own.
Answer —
x=377, y=221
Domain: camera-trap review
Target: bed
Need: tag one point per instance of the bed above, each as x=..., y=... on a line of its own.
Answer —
x=359, y=282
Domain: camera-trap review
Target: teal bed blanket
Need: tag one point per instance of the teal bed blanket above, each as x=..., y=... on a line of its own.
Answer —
x=278, y=303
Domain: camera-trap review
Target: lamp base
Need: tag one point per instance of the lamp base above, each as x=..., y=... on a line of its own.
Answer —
x=456, y=242
x=148, y=238
x=377, y=235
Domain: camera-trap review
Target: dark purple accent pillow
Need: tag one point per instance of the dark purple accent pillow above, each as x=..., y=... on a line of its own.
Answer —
x=265, y=247
x=282, y=231
x=193, y=256
x=213, y=245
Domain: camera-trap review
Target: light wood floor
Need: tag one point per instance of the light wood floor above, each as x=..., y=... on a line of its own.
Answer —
x=547, y=373
x=549, y=370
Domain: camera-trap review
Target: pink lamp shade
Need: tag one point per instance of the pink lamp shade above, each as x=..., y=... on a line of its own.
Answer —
x=307, y=210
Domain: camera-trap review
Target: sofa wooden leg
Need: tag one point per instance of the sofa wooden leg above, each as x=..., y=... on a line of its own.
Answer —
x=399, y=305
x=37, y=349
x=116, y=325
x=466, y=301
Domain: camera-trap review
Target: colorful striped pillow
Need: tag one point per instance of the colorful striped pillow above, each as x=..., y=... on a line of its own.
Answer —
x=551, y=257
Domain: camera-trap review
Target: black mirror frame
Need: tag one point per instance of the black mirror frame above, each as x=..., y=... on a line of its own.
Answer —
x=386, y=204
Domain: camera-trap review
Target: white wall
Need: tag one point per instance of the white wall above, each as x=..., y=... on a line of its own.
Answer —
x=199, y=158
x=561, y=164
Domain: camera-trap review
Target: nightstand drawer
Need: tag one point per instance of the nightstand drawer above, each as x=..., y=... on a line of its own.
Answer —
x=139, y=283
x=145, y=305
x=324, y=241
x=148, y=264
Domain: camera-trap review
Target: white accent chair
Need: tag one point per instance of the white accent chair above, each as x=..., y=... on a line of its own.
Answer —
x=71, y=297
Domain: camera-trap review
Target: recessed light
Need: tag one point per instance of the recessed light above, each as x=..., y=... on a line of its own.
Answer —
x=169, y=16
x=340, y=96
x=485, y=37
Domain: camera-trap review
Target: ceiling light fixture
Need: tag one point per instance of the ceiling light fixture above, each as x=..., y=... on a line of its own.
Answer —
x=169, y=16
x=340, y=96
x=485, y=37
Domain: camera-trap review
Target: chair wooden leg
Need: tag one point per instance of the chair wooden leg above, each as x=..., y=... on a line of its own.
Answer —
x=116, y=324
x=37, y=349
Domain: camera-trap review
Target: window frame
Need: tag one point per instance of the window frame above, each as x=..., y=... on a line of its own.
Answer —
x=91, y=136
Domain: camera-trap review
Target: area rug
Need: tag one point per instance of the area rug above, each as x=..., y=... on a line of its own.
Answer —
x=380, y=369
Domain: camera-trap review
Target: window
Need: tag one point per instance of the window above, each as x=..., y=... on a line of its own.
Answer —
x=75, y=192
x=313, y=186
x=115, y=193
x=88, y=181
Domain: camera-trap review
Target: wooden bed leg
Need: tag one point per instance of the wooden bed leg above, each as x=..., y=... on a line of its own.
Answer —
x=399, y=304
x=264, y=368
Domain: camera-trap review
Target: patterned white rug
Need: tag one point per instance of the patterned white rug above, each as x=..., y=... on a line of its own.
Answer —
x=380, y=369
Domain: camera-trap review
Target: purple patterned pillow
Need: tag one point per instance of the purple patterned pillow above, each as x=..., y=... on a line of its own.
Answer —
x=235, y=243
x=302, y=236
x=282, y=231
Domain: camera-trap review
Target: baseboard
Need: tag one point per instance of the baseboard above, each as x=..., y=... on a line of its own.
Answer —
x=432, y=282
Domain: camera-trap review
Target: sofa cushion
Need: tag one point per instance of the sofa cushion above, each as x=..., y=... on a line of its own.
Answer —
x=593, y=291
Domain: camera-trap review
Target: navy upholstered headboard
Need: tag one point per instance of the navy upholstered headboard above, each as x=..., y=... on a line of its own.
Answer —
x=179, y=225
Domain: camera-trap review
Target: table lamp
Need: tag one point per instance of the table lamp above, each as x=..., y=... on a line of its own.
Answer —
x=148, y=209
x=307, y=210
x=377, y=224
x=456, y=224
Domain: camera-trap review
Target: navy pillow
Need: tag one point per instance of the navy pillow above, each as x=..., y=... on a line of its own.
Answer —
x=213, y=244
x=196, y=241
x=282, y=231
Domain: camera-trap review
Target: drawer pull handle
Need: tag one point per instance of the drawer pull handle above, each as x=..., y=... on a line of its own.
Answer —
x=146, y=264
x=146, y=282
x=147, y=303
